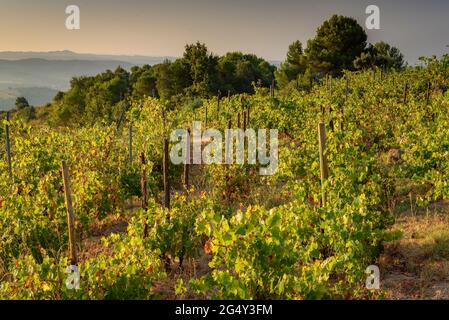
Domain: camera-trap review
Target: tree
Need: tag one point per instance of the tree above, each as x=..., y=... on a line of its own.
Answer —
x=294, y=66
x=337, y=43
x=238, y=72
x=107, y=90
x=380, y=55
x=203, y=69
x=146, y=84
x=21, y=103
x=28, y=113
x=24, y=109
x=59, y=96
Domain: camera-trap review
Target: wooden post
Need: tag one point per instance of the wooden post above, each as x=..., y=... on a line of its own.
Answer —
x=347, y=87
x=323, y=160
x=143, y=182
x=144, y=191
x=70, y=214
x=244, y=120
x=405, y=93
x=428, y=93
x=187, y=161
x=331, y=122
x=218, y=103
x=229, y=124
x=8, y=145
x=130, y=134
x=166, y=180
x=247, y=117
x=238, y=120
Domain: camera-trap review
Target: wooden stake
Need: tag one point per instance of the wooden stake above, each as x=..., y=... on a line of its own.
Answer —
x=405, y=93
x=428, y=93
x=130, y=147
x=144, y=191
x=187, y=161
x=244, y=120
x=331, y=122
x=218, y=103
x=8, y=146
x=323, y=160
x=238, y=120
x=143, y=182
x=70, y=214
x=166, y=180
x=347, y=88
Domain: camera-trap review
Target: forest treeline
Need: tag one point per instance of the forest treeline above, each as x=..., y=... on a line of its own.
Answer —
x=340, y=44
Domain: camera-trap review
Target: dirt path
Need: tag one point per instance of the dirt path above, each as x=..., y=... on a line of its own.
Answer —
x=417, y=265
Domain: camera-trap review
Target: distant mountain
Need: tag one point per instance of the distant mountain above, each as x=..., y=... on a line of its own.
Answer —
x=36, y=96
x=70, y=55
x=38, y=76
x=55, y=74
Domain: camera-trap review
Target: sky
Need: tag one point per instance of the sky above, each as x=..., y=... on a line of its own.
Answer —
x=262, y=27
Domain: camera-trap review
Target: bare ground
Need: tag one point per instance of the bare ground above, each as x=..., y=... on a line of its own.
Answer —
x=417, y=265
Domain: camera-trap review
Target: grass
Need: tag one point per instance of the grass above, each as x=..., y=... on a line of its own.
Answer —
x=417, y=265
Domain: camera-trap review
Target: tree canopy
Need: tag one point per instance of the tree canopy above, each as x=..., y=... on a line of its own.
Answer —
x=380, y=55
x=21, y=103
x=340, y=44
x=337, y=43
x=198, y=73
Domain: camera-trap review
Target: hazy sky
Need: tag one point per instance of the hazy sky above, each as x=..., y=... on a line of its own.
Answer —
x=163, y=27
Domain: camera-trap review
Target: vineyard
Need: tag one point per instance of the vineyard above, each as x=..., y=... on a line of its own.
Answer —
x=145, y=228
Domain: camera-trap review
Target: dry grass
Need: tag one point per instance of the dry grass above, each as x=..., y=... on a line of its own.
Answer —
x=417, y=266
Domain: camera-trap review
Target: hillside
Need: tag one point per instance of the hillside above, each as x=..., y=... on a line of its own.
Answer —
x=354, y=157
x=40, y=75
